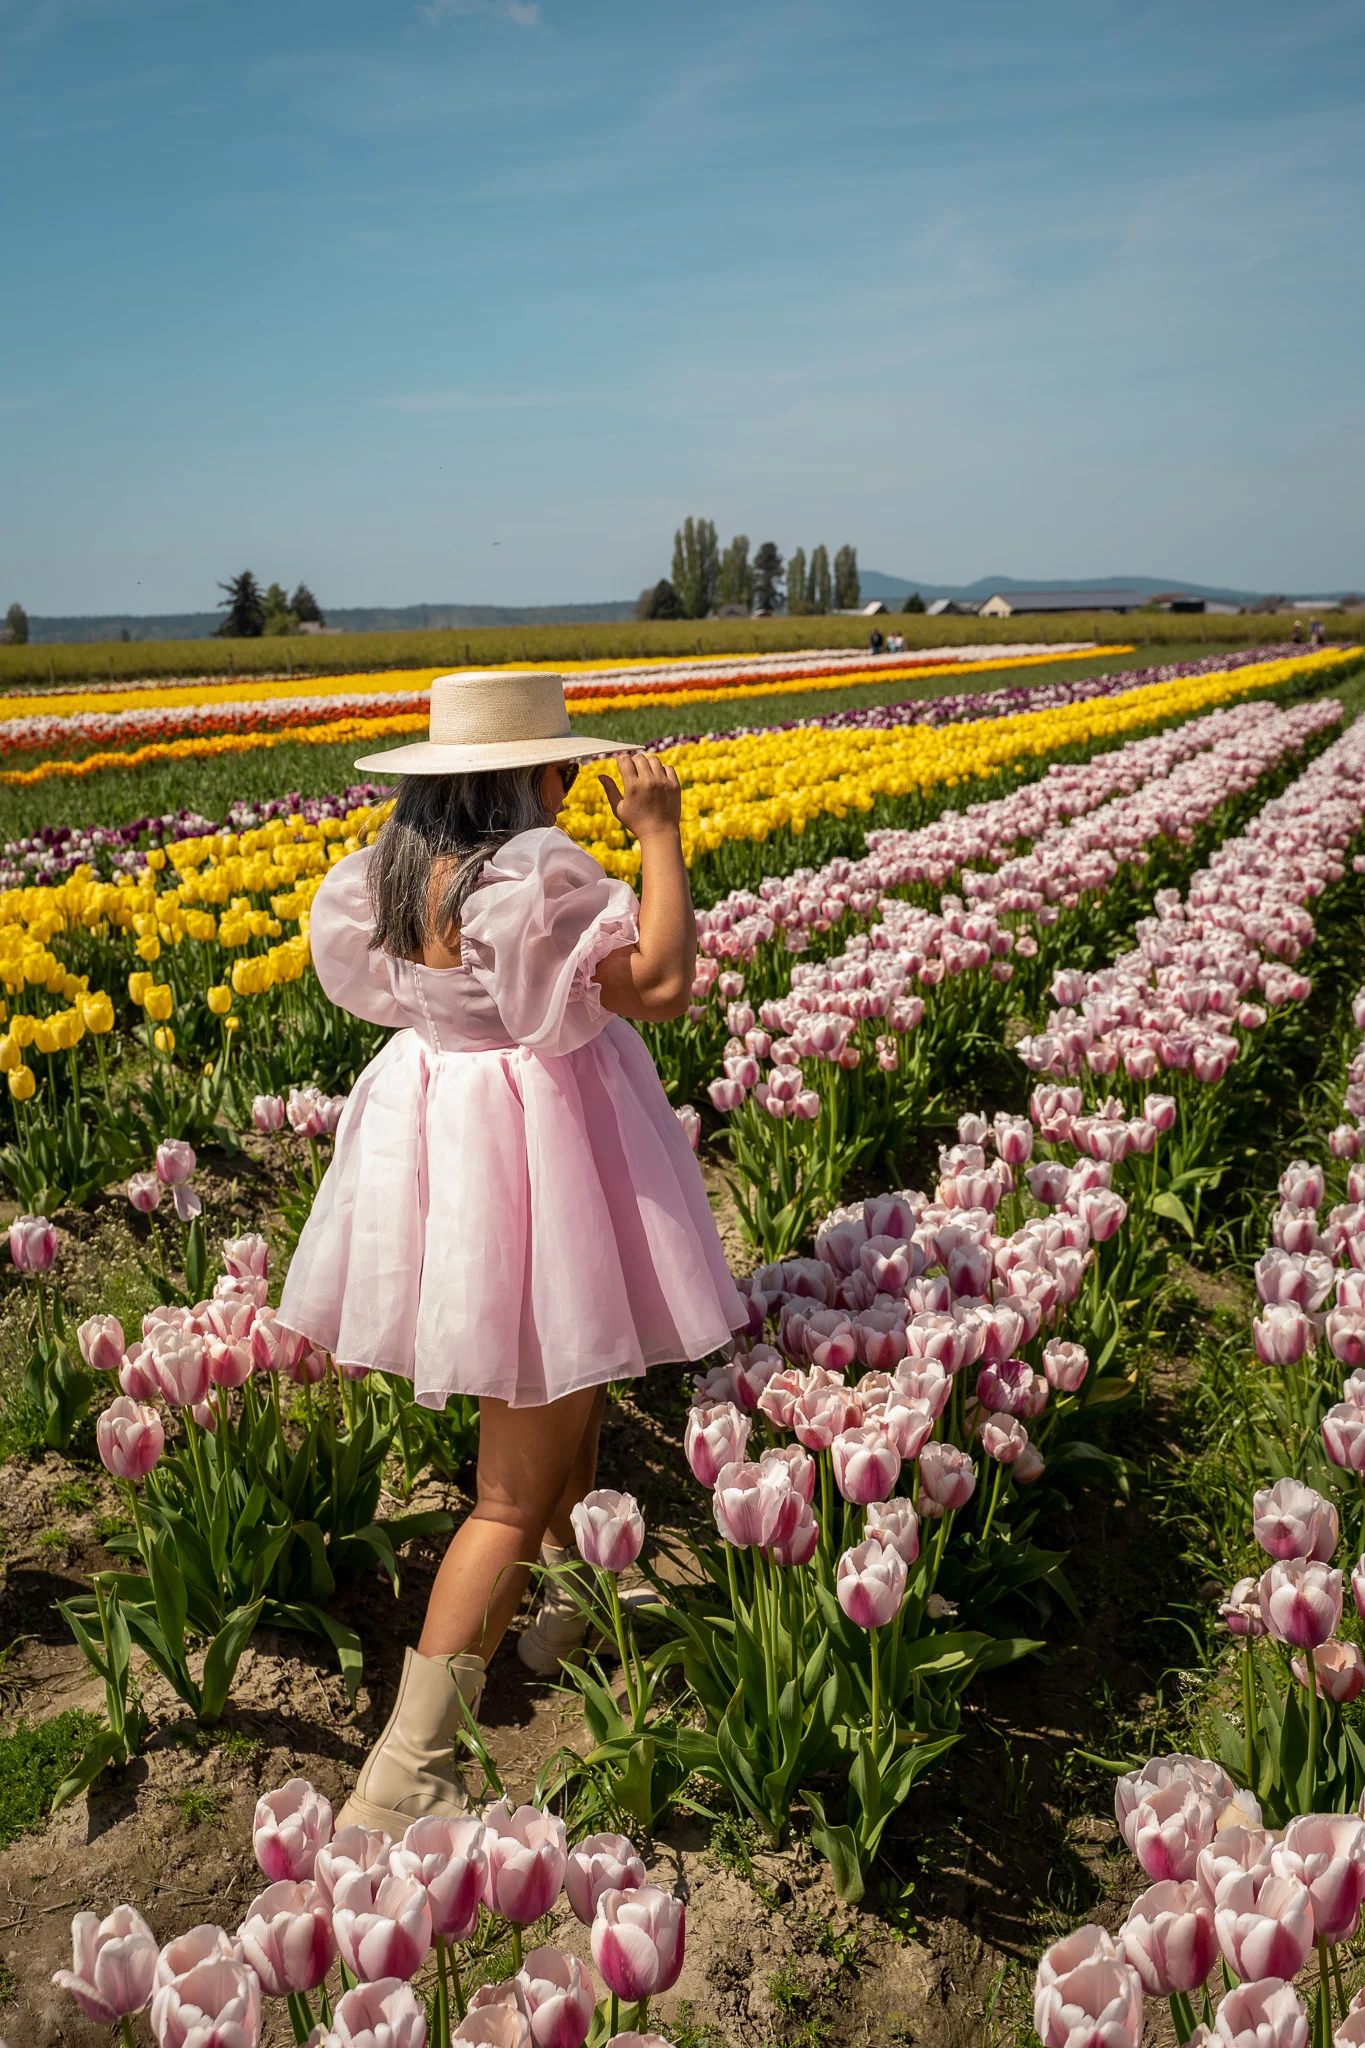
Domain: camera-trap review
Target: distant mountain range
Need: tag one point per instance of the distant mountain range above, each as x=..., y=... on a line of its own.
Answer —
x=442, y=617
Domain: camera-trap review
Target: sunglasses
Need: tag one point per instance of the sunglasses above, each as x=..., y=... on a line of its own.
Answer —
x=568, y=774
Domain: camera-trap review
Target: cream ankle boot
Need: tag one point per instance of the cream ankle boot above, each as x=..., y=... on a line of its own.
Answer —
x=556, y=1630
x=411, y=1773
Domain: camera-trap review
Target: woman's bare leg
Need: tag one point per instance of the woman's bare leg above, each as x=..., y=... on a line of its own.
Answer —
x=528, y=1458
x=582, y=1477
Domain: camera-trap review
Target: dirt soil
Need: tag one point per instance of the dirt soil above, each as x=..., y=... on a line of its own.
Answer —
x=992, y=1857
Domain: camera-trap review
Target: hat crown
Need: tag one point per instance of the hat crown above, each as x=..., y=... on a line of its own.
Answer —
x=492, y=707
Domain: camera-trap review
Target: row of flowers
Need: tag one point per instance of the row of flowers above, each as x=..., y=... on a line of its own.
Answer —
x=378, y=1913
x=71, y=724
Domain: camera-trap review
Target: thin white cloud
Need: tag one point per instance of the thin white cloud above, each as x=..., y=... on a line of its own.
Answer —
x=474, y=401
x=522, y=13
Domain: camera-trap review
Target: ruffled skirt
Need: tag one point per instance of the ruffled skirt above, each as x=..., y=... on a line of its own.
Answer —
x=508, y=1224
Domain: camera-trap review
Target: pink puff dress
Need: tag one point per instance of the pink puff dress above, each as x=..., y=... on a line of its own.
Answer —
x=513, y=1209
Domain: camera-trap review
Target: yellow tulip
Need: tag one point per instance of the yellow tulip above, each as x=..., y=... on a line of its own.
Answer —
x=22, y=1083
x=159, y=1002
x=138, y=985
x=22, y=1028
x=11, y=1058
x=164, y=1039
x=149, y=948
x=219, y=1000
x=98, y=1013
x=232, y=1024
x=45, y=1037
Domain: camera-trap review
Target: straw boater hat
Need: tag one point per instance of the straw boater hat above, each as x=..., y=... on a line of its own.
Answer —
x=491, y=718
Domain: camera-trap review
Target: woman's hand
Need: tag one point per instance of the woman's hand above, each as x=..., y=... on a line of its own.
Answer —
x=649, y=800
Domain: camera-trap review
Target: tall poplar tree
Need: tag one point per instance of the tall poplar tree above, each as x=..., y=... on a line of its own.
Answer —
x=798, y=591
x=736, y=574
x=847, y=589
x=820, y=588
x=768, y=577
x=696, y=566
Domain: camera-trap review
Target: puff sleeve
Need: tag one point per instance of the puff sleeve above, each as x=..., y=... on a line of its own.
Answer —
x=542, y=917
x=339, y=926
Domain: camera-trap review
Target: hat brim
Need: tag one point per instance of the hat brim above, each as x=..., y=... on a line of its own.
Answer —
x=425, y=757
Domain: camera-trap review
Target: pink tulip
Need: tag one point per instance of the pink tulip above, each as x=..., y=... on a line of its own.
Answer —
x=1089, y=1944
x=351, y=1848
x=609, y=1530
x=1029, y=1466
x=273, y=1347
x=638, y=1940
x=1345, y=1333
x=175, y=1162
x=1264, y=2015
x=1169, y=1938
x=1235, y=1847
x=754, y=1507
x=866, y=1464
x=1010, y=1388
x=558, y=1995
x=870, y=1583
x=246, y=1258
x=1240, y=1613
x=178, y=1362
x=1098, y=2003
x=823, y=1412
x=203, y=1944
x=1065, y=1365
x=289, y=1828
x=1264, y=1923
x=1301, y=1602
x=1326, y=1852
x=600, y=1863
x=631, y=2039
x=1282, y=1333
x=1302, y=1185
x=691, y=1124
x=1048, y=1181
x=829, y=1340
x=790, y=1462
x=286, y=1937
x=32, y=1244
x=1343, y=1435
x=526, y=1861
x=267, y=1113
x=922, y=1383
x=907, y=1426
x=102, y=1343
x=726, y=1095
x=113, y=1963
x=129, y=1438
x=1291, y=1520
x=751, y=1372
x=449, y=1859
x=385, y=2014
x=217, y=2004
x=894, y=1522
x=382, y=1924
x=1003, y=1438
x=947, y=1479
x=1170, y=1826
x=887, y=1263
x=1192, y=1773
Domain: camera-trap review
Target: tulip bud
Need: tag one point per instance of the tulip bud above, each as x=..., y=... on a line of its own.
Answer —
x=866, y=1464
x=1301, y=1602
x=102, y=1343
x=32, y=1244
x=870, y=1583
x=638, y=1941
x=129, y=1438
x=289, y=1828
x=609, y=1530
x=526, y=1859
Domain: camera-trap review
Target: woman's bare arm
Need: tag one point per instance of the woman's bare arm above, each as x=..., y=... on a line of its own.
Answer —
x=652, y=981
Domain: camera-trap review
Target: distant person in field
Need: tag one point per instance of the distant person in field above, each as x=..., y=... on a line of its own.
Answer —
x=1315, y=635
x=513, y=1210
x=876, y=643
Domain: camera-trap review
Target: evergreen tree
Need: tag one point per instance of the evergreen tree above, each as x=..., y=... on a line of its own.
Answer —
x=847, y=589
x=305, y=608
x=768, y=577
x=798, y=590
x=245, y=608
x=662, y=602
x=16, y=618
x=819, y=586
x=736, y=585
x=278, y=617
x=696, y=566
x=913, y=603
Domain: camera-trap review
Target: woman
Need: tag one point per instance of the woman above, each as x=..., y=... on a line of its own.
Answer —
x=513, y=1210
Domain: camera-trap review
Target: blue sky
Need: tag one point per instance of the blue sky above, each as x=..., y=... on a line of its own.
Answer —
x=474, y=299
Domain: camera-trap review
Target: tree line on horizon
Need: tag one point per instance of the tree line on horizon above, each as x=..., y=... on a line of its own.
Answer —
x=251, y=613
x=707, y=579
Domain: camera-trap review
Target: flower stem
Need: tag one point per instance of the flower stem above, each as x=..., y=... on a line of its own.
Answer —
x=1312, y=1765
x=442, y=1995
x=516, y=1948
x=876, y=1696
x=618, y=1622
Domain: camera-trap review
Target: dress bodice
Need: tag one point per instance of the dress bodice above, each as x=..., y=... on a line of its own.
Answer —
x=541, y=918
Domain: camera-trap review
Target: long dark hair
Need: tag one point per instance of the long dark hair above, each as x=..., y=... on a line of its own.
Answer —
x=457, y=819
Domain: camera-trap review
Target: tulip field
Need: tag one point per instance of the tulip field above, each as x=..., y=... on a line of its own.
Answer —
x=993, y=1666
